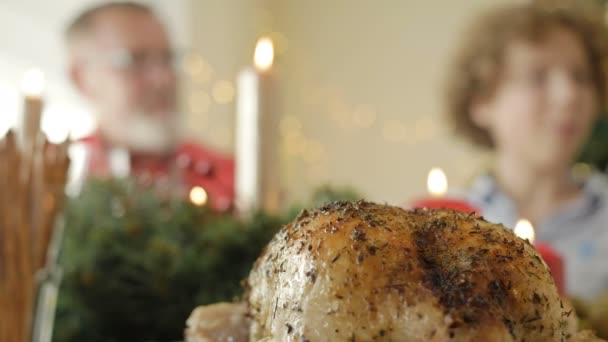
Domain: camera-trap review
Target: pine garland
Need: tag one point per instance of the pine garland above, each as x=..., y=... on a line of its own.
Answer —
x=135, y=265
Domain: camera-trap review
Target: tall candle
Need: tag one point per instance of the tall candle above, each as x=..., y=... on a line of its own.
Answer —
x=554, y=261
x=257, y=169
x=437, y=186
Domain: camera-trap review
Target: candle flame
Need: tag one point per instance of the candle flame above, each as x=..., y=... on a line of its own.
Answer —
x=263, y=56
x=437, y=182
x=32, y=83
x=524, y=230
x=198, y=196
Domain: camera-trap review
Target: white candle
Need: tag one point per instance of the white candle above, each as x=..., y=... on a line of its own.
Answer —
x=247, y=182
x=257, y=183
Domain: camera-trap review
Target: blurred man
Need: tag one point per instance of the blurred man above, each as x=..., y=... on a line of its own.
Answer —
x=120, y=60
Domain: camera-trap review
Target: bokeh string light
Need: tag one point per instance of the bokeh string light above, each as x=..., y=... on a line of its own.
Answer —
x=346, y=116
x=223, y=92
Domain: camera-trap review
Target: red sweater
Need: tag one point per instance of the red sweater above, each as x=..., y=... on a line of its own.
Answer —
x=197, y=166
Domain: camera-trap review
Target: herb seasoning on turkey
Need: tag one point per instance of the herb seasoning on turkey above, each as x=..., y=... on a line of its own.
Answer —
x=357, y=271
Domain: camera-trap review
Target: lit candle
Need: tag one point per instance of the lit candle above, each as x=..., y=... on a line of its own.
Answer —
x=263, y=55
x=554, y=261
x=437, y=186
x=257, y=177
x=32, y=86
x=437, y=182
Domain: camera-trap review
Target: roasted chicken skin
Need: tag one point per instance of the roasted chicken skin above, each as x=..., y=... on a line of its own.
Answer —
x=358, y=271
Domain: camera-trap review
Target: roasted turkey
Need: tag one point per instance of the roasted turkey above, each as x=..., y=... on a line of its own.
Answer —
x=363, y=272
x=358, y=271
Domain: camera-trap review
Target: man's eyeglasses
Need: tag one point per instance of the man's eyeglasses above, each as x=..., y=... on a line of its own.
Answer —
x=138, y=61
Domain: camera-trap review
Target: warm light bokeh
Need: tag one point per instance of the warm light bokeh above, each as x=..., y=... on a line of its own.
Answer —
x=198, y=196
x=33, y=82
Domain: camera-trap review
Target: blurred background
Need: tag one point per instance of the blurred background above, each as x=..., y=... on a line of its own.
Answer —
x=352, y=107
x=358, y=82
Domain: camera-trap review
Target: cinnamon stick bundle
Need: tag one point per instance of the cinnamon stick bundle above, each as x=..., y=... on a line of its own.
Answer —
x=32, y=182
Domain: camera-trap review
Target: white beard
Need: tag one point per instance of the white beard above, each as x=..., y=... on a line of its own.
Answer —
x=145, y=133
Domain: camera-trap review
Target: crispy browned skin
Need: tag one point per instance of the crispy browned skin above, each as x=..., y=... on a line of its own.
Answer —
x=358, y=271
